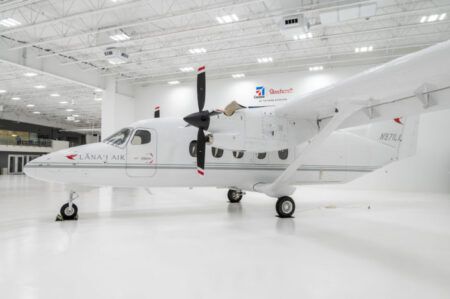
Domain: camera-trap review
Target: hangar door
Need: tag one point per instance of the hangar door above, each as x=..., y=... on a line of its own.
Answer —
x=141, y=153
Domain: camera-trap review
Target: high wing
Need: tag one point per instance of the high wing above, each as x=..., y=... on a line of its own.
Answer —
x=408, y=85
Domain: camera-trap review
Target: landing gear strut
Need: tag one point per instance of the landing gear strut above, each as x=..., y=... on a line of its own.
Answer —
x=285, y=207
x=69, y=211
x=235, y=195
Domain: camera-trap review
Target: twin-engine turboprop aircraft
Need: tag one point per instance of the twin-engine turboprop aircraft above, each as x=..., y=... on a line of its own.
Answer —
x=334, y=134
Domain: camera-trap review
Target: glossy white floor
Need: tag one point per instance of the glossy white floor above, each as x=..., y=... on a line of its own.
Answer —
x=182, y=243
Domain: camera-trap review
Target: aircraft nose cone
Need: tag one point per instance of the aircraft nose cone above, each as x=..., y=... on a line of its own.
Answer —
x=198, y=119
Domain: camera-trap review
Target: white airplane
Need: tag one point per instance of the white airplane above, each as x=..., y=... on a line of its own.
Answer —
x=334, y=134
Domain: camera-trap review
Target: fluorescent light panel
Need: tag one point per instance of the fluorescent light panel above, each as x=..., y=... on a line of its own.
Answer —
x=55, y=95
x=265, y=60
x=187, y=69
x=2, y=91
x=37, y=112
x=238, y=76
x=197, y=51
x=364, y=49
x=30, y=105
x=15, y=98
x=433, y=18
x=119, y=37
x=10, y=22
x=227, y=19
x=303, y=36
x=316, y=68
x=30, y=74
x=175, y=82
x=39, y=86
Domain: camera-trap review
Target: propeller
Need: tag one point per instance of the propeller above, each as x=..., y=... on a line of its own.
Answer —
x=156, y=114
x=200, y=120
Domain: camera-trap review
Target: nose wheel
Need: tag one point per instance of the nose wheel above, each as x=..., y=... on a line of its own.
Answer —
x=285, y=207
x=69, y=211
x=235, y=195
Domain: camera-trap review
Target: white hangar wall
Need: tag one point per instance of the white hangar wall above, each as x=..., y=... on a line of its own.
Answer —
x=180, y=100
x=428, y=170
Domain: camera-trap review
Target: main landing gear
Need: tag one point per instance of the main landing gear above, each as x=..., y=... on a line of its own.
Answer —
x=285, y=207
x=69, y=211
x=235, y=195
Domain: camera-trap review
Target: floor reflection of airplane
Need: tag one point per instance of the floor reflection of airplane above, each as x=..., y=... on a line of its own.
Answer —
x=334, y=134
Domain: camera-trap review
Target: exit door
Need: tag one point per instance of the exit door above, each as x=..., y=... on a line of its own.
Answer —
x=141, y=153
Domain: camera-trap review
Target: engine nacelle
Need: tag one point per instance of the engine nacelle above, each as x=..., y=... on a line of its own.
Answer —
x=256, y=130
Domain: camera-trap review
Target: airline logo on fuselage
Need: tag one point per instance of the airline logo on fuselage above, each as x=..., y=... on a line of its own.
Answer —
x=96, y=157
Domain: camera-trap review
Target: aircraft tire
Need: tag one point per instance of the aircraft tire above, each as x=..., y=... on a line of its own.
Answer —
x=285, y=207
x=234, y=196
x=67, y=213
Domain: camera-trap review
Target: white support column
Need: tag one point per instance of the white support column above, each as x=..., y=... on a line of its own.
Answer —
x=109, y=104
x=118, y=110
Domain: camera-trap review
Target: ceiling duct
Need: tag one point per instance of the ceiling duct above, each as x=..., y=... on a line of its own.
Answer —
x=294, y=25
x=348, y=13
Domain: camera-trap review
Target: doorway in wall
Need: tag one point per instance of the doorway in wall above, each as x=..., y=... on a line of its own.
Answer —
x=17, y=162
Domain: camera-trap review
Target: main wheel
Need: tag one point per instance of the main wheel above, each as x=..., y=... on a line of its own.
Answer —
x=68, y=213
x=285, y=207
x=234, y=195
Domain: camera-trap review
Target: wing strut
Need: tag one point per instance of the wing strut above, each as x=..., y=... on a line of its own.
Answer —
x=281, y=186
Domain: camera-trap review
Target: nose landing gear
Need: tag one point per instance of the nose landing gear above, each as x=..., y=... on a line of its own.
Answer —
x=69, y=211
x=235, y=195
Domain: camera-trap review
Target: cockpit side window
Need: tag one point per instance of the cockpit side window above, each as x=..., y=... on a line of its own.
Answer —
x=118, y=138
x=141, y=137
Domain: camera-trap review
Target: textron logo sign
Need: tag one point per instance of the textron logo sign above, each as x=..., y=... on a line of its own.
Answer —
x=260, y=92
x=273, y=94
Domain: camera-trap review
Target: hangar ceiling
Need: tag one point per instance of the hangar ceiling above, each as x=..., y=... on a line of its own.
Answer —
x=166, y=40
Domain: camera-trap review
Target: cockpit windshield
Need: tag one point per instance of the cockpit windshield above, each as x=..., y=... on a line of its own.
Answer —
x=118, y=138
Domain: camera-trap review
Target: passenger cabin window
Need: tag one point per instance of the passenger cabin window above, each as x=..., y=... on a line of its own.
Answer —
x=283, y=154
x=217, y=152
x=238, y=154
x=118, y=138
x=141, y=137
x=193, y=148
x=261, y=156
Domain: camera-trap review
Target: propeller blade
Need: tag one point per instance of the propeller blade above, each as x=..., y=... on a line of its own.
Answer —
x=201, y=88
x=201, y=143
x=156, y=115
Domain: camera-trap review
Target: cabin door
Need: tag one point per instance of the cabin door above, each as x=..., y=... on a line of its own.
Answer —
x=141, y=153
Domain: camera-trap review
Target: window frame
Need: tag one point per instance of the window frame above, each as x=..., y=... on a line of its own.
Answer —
x=287, y=154
x=134, y=134
x=219, y=150
x=237, y=156
x=127, y=139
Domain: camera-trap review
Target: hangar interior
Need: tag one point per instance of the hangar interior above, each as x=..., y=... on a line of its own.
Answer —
x=74, y=72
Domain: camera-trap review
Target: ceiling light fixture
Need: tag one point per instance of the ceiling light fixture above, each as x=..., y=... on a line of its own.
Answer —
x=265, y=60
x=98, y=90
x=119, y=37
x=303, y=36
x=433, y=18
x=316, y=68
x=364, y=49
x=30, y=74
x=10, y=22
x=39, y=86
x=15, y=98
x=69, y=110
x=98, y=99
x=175, y=82
x=197, y=51
x=227, y=19
x=2, y=91
x=187, y=69
x=63, y=102
x=238, y=76
x=55, y=95
x=30, y=105
x=36, y=112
